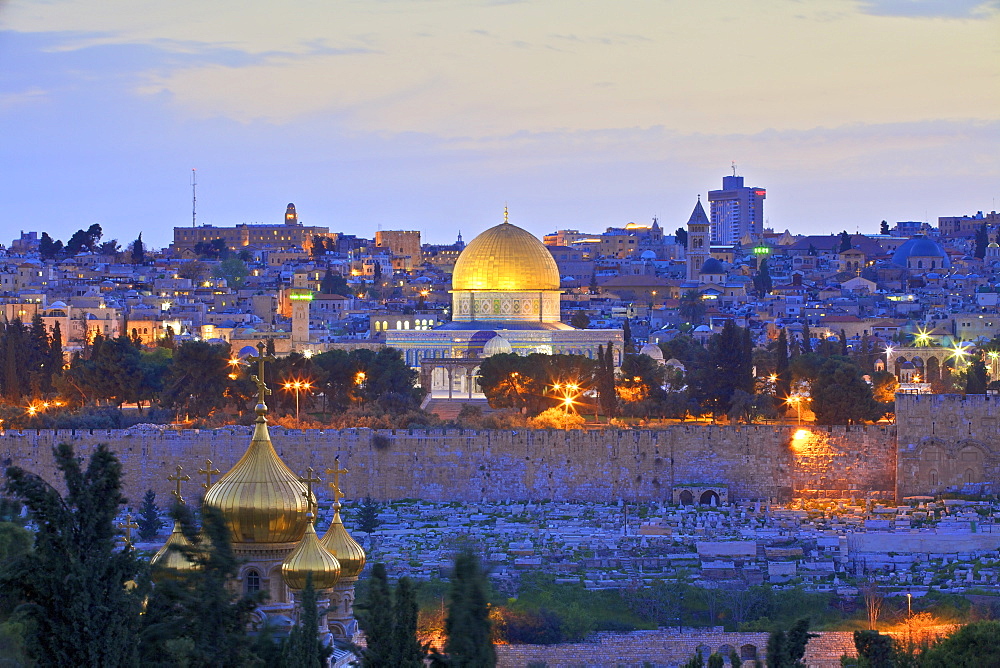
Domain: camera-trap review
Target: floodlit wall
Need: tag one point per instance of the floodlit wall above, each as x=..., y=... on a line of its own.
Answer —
x=755, y=462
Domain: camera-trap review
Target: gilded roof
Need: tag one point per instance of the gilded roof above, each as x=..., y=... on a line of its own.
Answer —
x=260, y=497
x=505, y=258
x=309, y=556
x=169, y=556
x=350, y=555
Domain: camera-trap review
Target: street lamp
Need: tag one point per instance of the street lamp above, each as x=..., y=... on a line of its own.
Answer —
x=297, y=386
x=797, y=402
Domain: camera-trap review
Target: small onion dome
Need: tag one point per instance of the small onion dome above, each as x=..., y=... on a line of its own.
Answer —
x=496, y=346
x=262, y=500
x=350, y=555
x=169, y=557
x=652, y=350
x=309, y=556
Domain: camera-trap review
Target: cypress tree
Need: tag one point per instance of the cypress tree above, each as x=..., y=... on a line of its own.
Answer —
x=73, y=582
x=843, y=343
x=627, y=335
x=982, y=241
x=783, y=386
x=303, y=648
x=468, y=626
x=807, y=346
x=407, y=650
x=376, y=620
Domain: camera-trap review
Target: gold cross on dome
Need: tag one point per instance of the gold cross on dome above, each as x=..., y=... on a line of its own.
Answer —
x=208, y=472
x=178, y=478
x=335, y=485
x=258, y=378
x=309, y=480
x=128, y=525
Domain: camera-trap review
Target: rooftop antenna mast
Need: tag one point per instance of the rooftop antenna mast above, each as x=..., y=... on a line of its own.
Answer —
x=734, y=168
x=194, y=196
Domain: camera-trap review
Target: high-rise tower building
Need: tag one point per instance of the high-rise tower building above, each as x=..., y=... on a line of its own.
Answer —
x=736, y=211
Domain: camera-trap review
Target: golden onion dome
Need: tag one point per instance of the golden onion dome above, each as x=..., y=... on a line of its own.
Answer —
x=309, y=556
x=505, y=258
x=170, y=557
x=260, y=497
x=338, y=542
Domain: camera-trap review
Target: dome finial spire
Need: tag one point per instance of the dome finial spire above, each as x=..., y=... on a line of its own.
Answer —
x=178, y=478
x=335, y=485
x=262, y=388
x=310, y=499
x=505, y=213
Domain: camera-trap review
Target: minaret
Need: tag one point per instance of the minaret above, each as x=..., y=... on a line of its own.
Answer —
x=301, y=299
x=698, y=247
x=291, y=218
x=351, y=556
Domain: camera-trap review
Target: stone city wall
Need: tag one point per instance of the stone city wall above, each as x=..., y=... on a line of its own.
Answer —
x=755, y=462
x=948, y=441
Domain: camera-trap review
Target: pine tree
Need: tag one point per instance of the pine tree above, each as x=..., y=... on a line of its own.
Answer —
x=73, y=582
x=845, y=241
x=977, y=378
x=884, y=227
x=149, y=517
x=198, y=605
x=469, y=643
x=368, y=519
x=729, y=368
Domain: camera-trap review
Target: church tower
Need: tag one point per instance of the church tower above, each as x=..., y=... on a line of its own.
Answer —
x=698, y=245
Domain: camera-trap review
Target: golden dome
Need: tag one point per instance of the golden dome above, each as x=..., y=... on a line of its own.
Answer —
x=169, y=557
x=350, y=555
x=260, y=497
x=309, y=556
x=505, y=258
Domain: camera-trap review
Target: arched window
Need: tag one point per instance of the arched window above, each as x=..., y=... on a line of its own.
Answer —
x=406, y=325
x=399, y=324
x=252, y=581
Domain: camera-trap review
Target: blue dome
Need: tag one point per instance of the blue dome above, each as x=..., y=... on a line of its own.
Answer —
x=712, y=266
x=920, y=247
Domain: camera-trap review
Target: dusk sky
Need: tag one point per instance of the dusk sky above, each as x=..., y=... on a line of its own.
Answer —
x=431, y=115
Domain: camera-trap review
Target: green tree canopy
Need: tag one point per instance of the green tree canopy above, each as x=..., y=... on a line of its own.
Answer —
x=73, y=582
x=841, y=396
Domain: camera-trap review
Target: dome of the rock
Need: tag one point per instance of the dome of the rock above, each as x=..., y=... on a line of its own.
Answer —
x=505, y=258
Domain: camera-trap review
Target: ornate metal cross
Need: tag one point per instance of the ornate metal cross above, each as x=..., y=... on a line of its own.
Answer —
x=309, y=480
x=128, y=525
x=178, y=478
x=258, y=378
x=335, y=485
x=208, y=472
